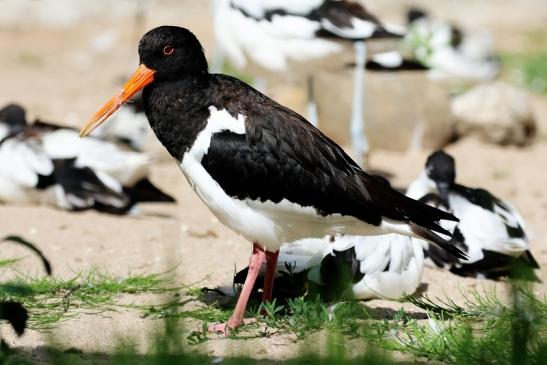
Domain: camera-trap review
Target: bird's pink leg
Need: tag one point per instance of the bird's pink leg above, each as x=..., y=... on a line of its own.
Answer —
x=255, y=263
x=271, y=266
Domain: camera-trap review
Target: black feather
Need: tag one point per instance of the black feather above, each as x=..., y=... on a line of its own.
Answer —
x=145, y=191
x=15, y=314
x=82, y=184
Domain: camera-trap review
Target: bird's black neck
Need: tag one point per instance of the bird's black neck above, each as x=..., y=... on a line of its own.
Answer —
x=178, y=110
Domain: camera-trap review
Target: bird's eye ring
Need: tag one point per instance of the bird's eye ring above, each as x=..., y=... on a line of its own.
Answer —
x=168, y=50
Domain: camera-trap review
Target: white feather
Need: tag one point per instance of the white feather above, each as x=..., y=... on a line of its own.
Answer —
x=265, y=222
x=127, y=167
x=403, y=255
x=359, y=28
x=270, y=44
x=20, y=164
x=481, y=228
x=4, y=131
x=128, y=125
x=257, y=8
x=388, y=59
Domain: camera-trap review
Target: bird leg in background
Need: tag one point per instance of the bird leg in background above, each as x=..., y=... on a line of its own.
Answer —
x=358, y=137
x=313, y=117
x=271, y=266
x=255, y=264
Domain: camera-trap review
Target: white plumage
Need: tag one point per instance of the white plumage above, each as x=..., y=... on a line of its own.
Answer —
x=47, y=164
x=128, y=126
x=434, y=44
x=282, y=37
x=391, y=264
x=20, y=164
x=265, y=222
x=491, y=230
x=127, y=167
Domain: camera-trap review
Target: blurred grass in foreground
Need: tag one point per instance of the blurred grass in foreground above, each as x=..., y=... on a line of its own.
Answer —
x=483, y=330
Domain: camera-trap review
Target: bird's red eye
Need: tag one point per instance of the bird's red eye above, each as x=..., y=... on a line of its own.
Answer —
x=168, y=50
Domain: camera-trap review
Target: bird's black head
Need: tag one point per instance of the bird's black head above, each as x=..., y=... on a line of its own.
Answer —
x=167, y=53
x=172, y=52
x=441, y=168
x=14, y=116
x=414, y=14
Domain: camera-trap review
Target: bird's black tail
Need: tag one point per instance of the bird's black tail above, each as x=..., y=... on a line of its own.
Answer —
x=422, y=218
x=145, y=191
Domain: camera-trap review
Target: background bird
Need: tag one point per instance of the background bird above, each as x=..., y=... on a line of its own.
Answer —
x=128, y=127
x=490, y=231
x=43, y=163
x=449, y=51
x=298, y=39
x=257, y=165
x=347, y=267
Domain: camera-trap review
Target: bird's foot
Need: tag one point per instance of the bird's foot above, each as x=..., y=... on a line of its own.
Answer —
x=225, y=328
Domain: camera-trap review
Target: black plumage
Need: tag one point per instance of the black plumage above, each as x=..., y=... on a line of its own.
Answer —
x=235, y=144
x=84, y=190
x=280, y=156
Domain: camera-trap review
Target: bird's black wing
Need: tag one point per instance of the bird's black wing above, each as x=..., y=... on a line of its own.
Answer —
x=84, y=190
x=340, y=17
x=282, y=156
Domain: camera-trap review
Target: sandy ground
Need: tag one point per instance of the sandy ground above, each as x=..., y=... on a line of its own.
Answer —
x=56, y=74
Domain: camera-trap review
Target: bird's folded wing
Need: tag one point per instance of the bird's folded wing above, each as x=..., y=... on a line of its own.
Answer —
x=282, y=158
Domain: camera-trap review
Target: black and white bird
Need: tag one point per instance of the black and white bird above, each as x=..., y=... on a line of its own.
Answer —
x=448, y=51
x=490, y=231
x=261, y=168
x=393, y=61
x=43, y=163
x=298, y=38
x=348, y=267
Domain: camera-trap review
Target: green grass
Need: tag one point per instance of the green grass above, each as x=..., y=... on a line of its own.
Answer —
x=484, y=329
x=9, y=262
x=52, y=300
x=528, y=70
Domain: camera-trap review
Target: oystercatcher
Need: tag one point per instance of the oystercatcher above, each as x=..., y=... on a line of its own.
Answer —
x=490, y=231
x=261, y=168
x=47, y=164
x=348, y=267
x=298, y=38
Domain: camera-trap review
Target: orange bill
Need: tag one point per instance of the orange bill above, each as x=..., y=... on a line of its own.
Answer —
x=142, y=77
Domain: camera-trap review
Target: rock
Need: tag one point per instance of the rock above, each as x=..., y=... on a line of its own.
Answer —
x=495, y=112
x=403, y=110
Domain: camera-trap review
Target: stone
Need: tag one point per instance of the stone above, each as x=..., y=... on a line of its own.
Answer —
x=403, y=110
x=496, y=113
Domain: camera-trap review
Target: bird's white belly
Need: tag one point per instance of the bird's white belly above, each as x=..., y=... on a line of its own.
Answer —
x=234, y=213
x=267, y=223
